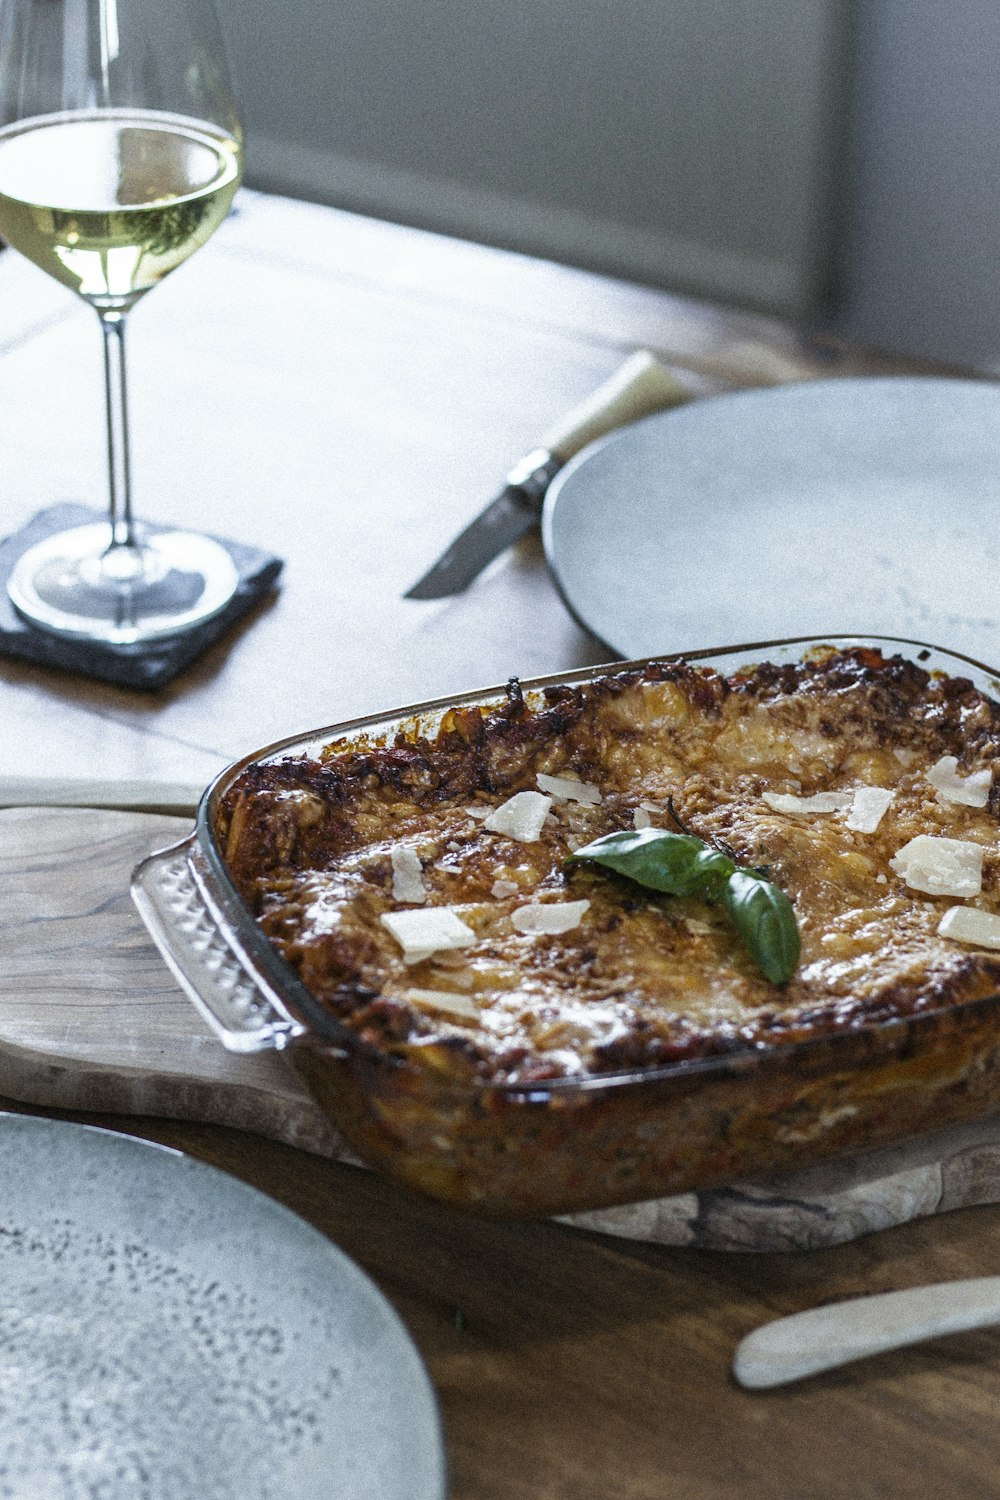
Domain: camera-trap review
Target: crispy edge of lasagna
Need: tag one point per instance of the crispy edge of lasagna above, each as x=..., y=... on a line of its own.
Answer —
x=641, y=981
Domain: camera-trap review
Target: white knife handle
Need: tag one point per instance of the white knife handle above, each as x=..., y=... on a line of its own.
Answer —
x=640, y=387
x=825, y=1337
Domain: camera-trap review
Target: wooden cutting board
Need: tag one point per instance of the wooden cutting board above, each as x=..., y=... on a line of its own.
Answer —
x=91, y=1019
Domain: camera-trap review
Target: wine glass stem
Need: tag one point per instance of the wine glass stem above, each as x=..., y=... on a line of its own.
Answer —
x=116, y=407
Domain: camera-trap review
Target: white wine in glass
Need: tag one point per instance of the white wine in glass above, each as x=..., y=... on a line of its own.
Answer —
x=120, y=154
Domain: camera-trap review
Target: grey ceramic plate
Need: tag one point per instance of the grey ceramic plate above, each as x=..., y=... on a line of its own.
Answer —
x=861, y=506
x=167, y=1332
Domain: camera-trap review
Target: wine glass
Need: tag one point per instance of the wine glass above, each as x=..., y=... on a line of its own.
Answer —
x=120, y=153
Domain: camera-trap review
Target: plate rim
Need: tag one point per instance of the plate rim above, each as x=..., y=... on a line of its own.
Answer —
x=49, y=1128
x=756, y=395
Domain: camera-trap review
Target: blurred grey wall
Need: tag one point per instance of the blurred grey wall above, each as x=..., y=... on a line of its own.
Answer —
x=836, y=158
x=921, y=253
x=689, y=143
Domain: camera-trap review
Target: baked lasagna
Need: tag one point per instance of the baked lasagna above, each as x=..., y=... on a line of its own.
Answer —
x=424, y=892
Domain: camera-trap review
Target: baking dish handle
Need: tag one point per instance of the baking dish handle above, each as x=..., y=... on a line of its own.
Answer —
x=192, y=939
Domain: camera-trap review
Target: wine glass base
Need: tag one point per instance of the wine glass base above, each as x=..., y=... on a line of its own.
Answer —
x=74, y=584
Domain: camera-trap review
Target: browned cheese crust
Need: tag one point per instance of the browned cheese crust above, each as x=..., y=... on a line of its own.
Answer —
x=642, y=979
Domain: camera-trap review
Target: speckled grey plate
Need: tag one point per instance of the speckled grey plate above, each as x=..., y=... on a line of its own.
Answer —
x=167, y=1332
x=860, y=506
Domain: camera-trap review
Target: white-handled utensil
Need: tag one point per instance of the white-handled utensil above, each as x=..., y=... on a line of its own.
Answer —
x=638, y=388
x=825, y=1337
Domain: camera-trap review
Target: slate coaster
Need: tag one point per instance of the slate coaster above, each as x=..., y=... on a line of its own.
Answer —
x=149, y=665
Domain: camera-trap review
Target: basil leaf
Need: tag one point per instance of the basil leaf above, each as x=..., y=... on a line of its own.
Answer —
x=679, y=864
x=762, y=915
x=676, y=863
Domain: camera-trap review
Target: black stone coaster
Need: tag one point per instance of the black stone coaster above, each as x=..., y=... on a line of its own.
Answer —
x=148, y=666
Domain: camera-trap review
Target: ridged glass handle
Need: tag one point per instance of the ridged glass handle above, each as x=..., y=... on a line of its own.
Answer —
x=199, y=956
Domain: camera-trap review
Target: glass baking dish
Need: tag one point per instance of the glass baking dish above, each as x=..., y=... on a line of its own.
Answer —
x=568, y=1144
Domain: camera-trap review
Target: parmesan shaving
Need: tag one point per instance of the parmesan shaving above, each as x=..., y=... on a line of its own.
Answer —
x=445, y=1001
x=457, y=965
x=553, y=917
x=521, y=817
x=869, y=807
x=641, y=818
x=819, y=802
x=503, y=888
x=941, y=867
x=967, y=791
x=569, y=789
x=423, y=932
x=966, y=924
x=407, y=875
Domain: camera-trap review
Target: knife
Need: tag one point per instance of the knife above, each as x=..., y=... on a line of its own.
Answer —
x=824, y=1338
x=641, y=386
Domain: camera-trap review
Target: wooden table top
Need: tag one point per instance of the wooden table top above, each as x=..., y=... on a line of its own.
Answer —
x=347, y=394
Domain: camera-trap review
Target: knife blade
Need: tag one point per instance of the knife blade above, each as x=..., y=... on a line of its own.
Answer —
x=638, y=388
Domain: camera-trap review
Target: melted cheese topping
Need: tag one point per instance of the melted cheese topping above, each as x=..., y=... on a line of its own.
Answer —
x=638, y=979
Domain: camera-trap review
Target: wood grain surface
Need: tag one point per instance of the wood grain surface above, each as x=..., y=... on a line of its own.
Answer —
x=90, y=1018
x=348, y=394
x=573, y=1367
